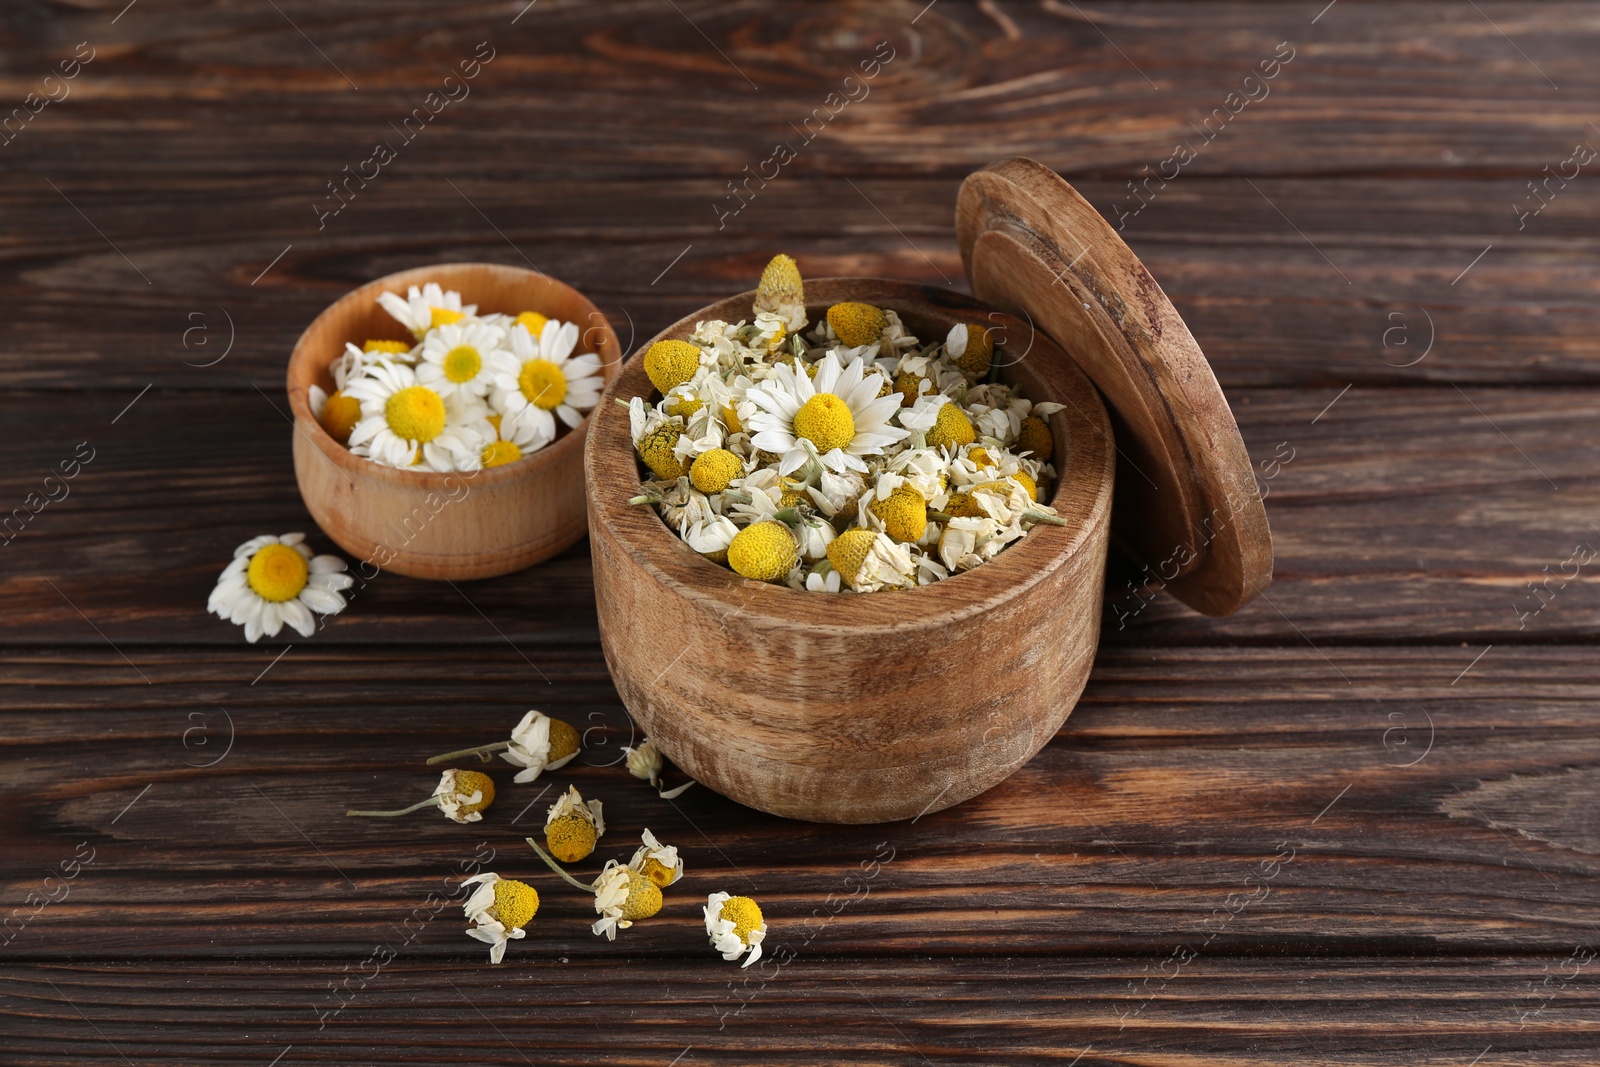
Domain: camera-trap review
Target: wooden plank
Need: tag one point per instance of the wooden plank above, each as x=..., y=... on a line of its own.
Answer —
x=1397, y=515
x=1264, y=303
x=1398, y=800
x=536, y=1010
x=1097, y=89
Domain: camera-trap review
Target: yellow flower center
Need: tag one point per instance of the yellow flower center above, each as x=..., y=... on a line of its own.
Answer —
x=793, y=494
x=461, y=364
x=1034, y=436
x=533, y=321
x=542, y=382
x=393, y=348
x=685, y=407
x=514, y=903
x=847, y=553
x=826, y=422
x=1027, y=482
x=658, y=872
x=570, y=838
x=278, y=573
x=563, y=740
x=980, y=458
x=730, y=419
x=904, y=514
x=671, y=363
x=780, y=282
x=656, y=451
x=415, y=413
x=744, y=913
x=470, y=782
x=499, y=453
x=857, y=324
x=909, y=386
x=764, y=551
x=713, y=470
x=952, y=430
x=340, y=415
x=644, y=898
x=444, y=316
x=975, y=359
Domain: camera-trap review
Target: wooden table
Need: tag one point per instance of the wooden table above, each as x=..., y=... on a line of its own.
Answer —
x=1355, y=823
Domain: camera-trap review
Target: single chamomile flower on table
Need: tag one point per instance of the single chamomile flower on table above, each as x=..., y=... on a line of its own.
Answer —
x=420, y=310
x=461, y=795
x=735, y=927
x=657, y=862
x=573, y=825
x=839, y=415
x=622, y=895
x=501, y=908
x=538, y=743
x=537, y=379
x=647, y=763
x=404, y=424
x=459, y=357
x=276, y=580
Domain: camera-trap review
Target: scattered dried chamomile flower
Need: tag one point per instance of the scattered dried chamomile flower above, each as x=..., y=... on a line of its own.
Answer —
x=538, y=743
x=276, y=580
x=501, y=908
x=735, y=927
x=573, y=825
x=657, y=862
x=647, y=763
x=622, y=895
x=461, y=795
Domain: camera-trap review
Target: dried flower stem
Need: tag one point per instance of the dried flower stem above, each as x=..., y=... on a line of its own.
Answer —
x=483, y=752
x=431, y=802
x=554, y=866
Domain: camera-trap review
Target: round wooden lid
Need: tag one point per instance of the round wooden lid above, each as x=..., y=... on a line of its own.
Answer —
x=1187, y=505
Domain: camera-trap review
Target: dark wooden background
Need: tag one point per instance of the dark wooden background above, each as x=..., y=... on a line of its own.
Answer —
x=1395, y=714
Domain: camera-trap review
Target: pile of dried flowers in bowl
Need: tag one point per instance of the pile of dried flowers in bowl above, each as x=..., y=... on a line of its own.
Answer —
x=848, y=454
x=472, y=391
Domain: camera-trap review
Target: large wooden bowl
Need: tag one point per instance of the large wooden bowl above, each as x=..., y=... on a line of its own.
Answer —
x=856, y=708
x=427, y=524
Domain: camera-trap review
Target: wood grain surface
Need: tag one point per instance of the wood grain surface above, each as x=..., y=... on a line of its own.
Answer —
x=1353, y=823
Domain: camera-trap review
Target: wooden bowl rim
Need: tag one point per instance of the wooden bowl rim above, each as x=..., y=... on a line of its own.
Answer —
x=304, y=367
x=1013, y=573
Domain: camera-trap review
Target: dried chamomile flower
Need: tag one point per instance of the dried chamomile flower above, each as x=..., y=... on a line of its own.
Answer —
x=276, y=580
x=711, y=471
x=671, y=363
x=646, y=762
x=857, y=324
x=501, y=908
x=538, y=743
x=903, y=512
x=657, y=862
x=782, y=293
x=711, y=537
x=764, y=552
x=461, y=795
x=422, y=309
x=735, y=927
x=972, y=348
x=1035, y=437
x=951, y=429
x=868, y=560
x=572, y=826
x=622, y=895
x=655, y=438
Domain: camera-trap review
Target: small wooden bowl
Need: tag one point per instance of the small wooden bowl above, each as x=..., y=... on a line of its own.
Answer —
x=427, y=524
x=856, y=708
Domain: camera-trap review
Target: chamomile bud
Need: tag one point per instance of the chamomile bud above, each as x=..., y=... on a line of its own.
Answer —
x=735, y=926
x=573, y=825
x=461, y=795
x=647, y=763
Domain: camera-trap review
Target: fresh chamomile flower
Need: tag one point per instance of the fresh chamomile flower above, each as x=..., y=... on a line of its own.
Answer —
x=459, y=356
x=461, y=795
x=420, y=310
x=647, y=763
x=510, y=442
x=657, y=862
x=838, y=416
x=276, y=580
x=501, y=908
x=337, y=414
x=538, y=743
x=404, y=424
x=622, y=895
x=573, y=825
x=735, y=927
x=538, y=379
